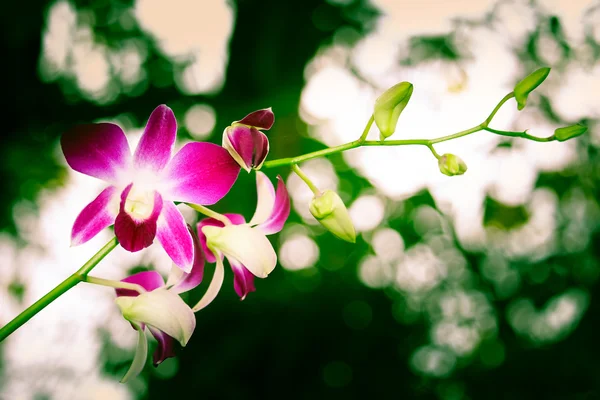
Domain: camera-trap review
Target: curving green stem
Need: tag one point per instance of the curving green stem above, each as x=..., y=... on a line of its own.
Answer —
x=306, y=179
x=498, y=106
x=58, y=291
x=420, y=142
x=363, y=137
x=360, y=143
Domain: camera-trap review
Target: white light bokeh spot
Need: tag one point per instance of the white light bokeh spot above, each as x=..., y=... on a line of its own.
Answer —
x=200, y=120
x=375, y=272
x=387, y=244
x=419, y=270
x=298, y=251
x=367, y=212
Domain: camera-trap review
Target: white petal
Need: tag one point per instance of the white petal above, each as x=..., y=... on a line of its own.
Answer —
x=266, y=199
x=248, y=246
x=141, y=352
x=214, y=287
x=163, y=310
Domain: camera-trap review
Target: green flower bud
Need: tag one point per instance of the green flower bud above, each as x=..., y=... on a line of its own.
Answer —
x=568, y=132
x=528, y=84
x=388, y=107
x=331, y=212
x=452, y=165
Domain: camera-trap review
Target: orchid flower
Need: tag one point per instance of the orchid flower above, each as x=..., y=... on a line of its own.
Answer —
x=161, y=310
x=245, y=142
x=142, y=189
x=245, y=245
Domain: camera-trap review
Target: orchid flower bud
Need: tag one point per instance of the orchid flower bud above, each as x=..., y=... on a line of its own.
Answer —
x=245, y=142
x=452, y=165
x=388, y=107
x=329, y=209
x=528, y=84
x=568, y=132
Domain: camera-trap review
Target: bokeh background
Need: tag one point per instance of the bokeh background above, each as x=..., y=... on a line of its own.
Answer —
x=482, y=286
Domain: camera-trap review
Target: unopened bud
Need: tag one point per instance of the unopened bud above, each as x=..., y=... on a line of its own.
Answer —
x=245, y=142
x=388, y=107
x=528, y=84
x=568, y=132
x=452, y=165
x=329, y=209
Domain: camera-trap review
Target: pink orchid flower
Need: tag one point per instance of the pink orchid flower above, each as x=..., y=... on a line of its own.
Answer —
x=161, y=310
x=245, y=142
x=245, y=245
x=142, y=189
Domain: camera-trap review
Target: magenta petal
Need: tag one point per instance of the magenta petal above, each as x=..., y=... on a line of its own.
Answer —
x=98, y=150
x=194, y=278
x=240, y=143
x=135, y=234
x=165, y=348
x=261, y=148
x=94, y=217
x=154, y=149
x=243, y=280
x=281, y=210
x=173, y=235
x=251, y=145
x=149, y=280
x=235, y=219
x=261, y=119
x=201, y=173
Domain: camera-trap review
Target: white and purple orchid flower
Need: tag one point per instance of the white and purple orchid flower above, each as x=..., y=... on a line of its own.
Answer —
x=142, y=189
x=160, y=309
x=245, y=245
x=245, y=142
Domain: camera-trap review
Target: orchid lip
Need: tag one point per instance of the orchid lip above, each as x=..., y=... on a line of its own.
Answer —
x=139, y=203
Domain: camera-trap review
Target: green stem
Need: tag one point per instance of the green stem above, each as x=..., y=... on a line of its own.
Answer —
x=423, y=142
x=315, y=154
x=114, y=284
x=357, y=143
x=363, y=137
x=457, y=134
x=495, y=110
x=523, y=135
x=210, y=213
x=306, y=179
x=58, y=291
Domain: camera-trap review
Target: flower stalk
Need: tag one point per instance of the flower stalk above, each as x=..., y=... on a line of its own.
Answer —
x=306, y=179
x=114, y=284
x=484, y=126
x=58, y=291
x=210, y=213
